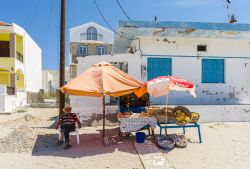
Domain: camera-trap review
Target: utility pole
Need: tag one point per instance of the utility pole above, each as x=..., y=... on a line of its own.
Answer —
x=62, y=55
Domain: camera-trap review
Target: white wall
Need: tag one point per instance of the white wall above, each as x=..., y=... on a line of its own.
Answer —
x=21, y=99
x=7, y=103
x=53, y=75
x=74, y=32
x=48, y=75
x=33, y=65
x=179, y=46
x=32, y=68
x=236, y=88
x=134, y=62
x=3, y=89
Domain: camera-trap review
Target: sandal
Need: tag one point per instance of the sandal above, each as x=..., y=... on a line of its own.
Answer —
x=67, y=147
x=59, y=143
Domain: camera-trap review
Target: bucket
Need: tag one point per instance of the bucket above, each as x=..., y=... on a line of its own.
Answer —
x=140, y=137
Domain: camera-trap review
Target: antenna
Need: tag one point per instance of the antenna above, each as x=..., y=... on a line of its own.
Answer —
x=231, y=17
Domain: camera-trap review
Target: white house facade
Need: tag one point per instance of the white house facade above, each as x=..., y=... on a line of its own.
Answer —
x=20, y=66
x=88, y=39
x=50, y=80
x=214, y=56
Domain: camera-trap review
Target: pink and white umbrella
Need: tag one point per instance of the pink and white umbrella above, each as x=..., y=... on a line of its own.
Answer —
x=158, y=86
x=161, y=85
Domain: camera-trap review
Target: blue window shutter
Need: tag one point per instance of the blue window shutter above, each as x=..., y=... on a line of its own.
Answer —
x=159, y=67
x=213, y=71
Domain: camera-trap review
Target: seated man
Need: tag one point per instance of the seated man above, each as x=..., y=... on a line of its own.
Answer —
x=67, y=122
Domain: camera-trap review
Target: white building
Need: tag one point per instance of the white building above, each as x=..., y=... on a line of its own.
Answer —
x=211, y=55
x=20, y=66
x=50, y=80
x=214, y=56
x=88, y=39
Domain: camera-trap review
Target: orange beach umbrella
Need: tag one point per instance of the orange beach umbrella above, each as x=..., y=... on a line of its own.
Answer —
x=104, y=79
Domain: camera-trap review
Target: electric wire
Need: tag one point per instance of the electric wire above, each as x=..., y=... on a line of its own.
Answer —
x=110, y=27
x=124, y=12
x=34, y=15
x=48, y=26
x=107, y=23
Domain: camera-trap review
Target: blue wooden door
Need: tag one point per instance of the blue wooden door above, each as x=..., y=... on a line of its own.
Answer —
x=159, y=67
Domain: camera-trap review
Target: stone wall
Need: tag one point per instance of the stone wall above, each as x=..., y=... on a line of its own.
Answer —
x=91, y=49
x=35, y=97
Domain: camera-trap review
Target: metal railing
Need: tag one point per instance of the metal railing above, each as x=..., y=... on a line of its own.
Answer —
x=19, y=56
x=83, y=36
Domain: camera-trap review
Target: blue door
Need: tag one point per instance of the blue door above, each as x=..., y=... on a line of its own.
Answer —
x=159, y=67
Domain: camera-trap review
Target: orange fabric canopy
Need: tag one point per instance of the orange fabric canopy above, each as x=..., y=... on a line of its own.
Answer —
x=104, y=79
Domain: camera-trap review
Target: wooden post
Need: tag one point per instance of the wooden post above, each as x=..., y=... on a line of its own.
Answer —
x=103, y=109
x=62, y=55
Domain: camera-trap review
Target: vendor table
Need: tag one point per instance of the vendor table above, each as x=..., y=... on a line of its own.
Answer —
x=136, y=123
x=173, y=125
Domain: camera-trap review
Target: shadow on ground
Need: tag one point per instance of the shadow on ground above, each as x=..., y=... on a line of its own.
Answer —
x=90, y=145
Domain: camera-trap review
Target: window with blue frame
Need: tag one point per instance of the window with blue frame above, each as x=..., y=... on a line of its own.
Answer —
x=213, y=71
x=101, y=50
x=91, y=33
x=159, y=67
x=83, y=50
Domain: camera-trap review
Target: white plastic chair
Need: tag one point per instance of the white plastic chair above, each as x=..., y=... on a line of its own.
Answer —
x=76, y=133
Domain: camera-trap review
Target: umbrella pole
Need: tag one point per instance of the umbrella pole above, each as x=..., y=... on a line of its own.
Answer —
x=167, y=100
x=103, y=109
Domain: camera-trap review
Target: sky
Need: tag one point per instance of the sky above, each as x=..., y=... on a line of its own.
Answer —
x=41, y=18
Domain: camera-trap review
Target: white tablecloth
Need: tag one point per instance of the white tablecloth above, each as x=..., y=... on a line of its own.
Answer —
x=136, y=123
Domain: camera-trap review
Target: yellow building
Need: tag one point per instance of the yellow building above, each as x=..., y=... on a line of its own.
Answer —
x=11, y=58
x=20, y=66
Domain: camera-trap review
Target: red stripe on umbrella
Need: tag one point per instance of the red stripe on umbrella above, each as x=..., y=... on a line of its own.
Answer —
x=176, y=83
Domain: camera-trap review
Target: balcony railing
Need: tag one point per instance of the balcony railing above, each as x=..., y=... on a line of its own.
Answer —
x=19, y=56
x=83, y=36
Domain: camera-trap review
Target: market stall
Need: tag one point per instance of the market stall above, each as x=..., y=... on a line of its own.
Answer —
x=104, y=79
x=135, y=122
x=132, y=116
x=178, y=117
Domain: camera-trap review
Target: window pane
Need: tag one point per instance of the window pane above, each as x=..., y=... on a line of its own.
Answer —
x=91, y=33
x=83, y=50
x=101, y=50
